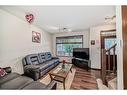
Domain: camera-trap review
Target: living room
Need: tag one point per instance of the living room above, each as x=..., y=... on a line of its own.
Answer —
x=37, y=31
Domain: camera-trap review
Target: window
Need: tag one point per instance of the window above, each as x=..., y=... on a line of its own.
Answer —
x=65, y=45
x=109, y=42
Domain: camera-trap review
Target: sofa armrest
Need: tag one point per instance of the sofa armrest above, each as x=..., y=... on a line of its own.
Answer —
x=55, y=58
x=52, y=85
x=8, y=69
x=32, y=71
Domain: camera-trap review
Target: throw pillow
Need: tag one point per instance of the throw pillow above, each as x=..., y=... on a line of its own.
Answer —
x=2, y=72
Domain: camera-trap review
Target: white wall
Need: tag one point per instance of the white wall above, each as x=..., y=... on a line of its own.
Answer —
x=95, y=50
x=85, y=41
x=119, y=48
x=16, y=41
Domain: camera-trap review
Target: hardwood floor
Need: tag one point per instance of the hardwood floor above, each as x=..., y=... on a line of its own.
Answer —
x=85, y=79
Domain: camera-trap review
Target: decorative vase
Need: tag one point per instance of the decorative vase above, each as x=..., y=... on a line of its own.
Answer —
x=63, y=66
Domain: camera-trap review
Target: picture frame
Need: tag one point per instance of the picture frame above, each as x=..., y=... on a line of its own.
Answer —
x=92, y=42
x=36, y=37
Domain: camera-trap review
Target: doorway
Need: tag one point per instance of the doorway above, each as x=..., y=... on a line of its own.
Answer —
x=108, y=39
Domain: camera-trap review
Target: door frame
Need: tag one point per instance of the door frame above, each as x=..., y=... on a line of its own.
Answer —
x=124, y=35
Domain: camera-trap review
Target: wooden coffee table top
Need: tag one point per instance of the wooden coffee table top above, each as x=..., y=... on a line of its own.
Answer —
x=59, y=72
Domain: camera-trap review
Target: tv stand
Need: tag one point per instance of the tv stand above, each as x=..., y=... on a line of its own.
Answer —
x=82, y=63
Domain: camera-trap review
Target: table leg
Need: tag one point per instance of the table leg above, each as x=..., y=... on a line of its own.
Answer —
x=71, y=69
x=51, y=77
x=64, y=84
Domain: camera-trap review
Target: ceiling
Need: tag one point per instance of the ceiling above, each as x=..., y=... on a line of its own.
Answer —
x=53, y=18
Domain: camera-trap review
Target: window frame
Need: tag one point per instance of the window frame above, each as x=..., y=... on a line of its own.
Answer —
x=68, y=43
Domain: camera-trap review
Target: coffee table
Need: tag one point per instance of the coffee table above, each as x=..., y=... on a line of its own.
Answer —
x=62, y=74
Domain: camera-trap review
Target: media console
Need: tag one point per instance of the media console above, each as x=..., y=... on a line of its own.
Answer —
x=82, y=63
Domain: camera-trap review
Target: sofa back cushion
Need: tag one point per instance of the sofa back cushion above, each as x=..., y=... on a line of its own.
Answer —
x=32, y=59
x=42, y=58
x=48, y=56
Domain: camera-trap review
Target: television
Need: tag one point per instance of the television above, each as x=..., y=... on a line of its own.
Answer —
x=82, y=53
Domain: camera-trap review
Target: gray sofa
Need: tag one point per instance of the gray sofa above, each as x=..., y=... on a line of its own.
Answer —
x=13, y=81
x=37, y=65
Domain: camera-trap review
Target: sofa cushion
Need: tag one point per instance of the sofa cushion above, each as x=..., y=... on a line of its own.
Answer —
x=32, y=59
x=16, y=83
x=55, y=60
x=8, y=77
x=41, y=57
x=50, y=62
x=46, y=65
x=48, y=56
x=32, y=67
x=35, y=85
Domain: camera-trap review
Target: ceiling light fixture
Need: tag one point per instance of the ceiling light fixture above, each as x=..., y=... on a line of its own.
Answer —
x=110, y=20
x=64, y=29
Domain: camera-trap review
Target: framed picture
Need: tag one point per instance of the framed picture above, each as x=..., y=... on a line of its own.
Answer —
x=36, y=37
x=92, y=42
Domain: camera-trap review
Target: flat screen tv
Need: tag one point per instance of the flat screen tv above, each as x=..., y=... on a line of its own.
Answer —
x=82, y=53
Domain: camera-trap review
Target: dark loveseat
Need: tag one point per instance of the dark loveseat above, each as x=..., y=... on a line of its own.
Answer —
x=16, y=81
x=36, y=65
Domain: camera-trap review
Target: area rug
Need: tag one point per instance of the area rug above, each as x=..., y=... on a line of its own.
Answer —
x=46, y=80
